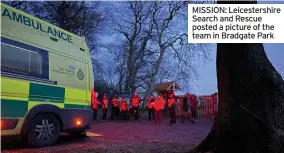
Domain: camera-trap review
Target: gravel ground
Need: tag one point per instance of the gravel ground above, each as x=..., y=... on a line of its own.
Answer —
x=124, y=137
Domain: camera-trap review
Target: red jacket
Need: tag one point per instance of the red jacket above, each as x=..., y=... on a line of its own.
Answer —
x=171, y=102
x=135, y=100
x=114, y=101
x=105, y=103
x=171, y=99
x=94, y=100
x=193, y=103
x=159, y=103
x=95, y=103
x=123, y=105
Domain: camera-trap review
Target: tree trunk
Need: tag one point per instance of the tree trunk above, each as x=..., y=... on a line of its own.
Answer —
x=251, y=103
x=155, y=73
x=251, y=108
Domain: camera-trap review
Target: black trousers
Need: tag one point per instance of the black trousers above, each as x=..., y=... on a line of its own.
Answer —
x=123, y=115
x=136, y=113
x=151, y=114
x=104, y=114
x=95, y=112
x=173, y=119
x=114, y=112
x=194, y=114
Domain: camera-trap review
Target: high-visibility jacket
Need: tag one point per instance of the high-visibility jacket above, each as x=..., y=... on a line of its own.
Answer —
x=171, y=101
x=150, y=103
x=123, y=105
x=114, y=101
x=94, y=100
x=159, y=103
x=105, y=103
x=135, y=100
x=95, y=103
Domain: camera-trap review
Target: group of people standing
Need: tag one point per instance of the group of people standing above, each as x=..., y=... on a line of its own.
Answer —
x=118, y=107
x=155, y=107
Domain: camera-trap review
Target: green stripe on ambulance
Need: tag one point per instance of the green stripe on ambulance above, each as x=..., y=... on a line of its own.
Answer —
x=40, y=92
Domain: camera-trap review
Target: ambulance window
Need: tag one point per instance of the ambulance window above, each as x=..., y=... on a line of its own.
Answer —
x=20, y=61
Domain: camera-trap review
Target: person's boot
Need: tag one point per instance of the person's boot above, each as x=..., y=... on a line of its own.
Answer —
x=193, y=120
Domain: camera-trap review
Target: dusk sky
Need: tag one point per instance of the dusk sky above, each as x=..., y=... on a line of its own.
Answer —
x=207, y=82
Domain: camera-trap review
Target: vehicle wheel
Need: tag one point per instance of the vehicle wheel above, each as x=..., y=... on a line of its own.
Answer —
x=43, y=131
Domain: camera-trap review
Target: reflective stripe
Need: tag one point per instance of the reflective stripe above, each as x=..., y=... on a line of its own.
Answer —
x=13, y=108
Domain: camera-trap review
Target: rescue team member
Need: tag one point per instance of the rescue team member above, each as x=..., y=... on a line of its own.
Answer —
x=150, y=106
x=159, y=105
x=193, y=107
x=115, y=109
x=123, y=107
x=172, y=108
x=105, y=107
x=135, y=101
x=95, y=102
x=185, y=105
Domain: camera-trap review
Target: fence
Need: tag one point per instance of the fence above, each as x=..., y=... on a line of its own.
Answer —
x=208, y=105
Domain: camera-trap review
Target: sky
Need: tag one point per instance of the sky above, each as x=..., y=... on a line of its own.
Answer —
x=207, y=80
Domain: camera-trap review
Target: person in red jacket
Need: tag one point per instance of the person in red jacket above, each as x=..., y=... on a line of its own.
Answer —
x=123, y=107
x=159, y=105
x=115, y=109
x=150, y=106
x=135, y=102
x=193, y=107
x=95, y=102
x=172, y=108
x=105, y=106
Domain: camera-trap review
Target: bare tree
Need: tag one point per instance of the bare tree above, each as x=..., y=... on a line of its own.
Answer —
x=78, y=17
x=170, y=36
x=22, y=5
x=251, y=101
x=151, y=32
x=132, y=22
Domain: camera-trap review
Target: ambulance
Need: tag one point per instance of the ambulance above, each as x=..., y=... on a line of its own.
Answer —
x=46, y=80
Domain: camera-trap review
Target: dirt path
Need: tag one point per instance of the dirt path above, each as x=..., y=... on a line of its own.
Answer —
x=132, y=136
